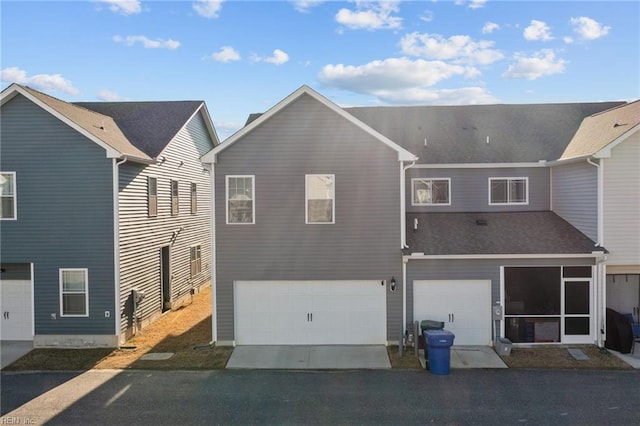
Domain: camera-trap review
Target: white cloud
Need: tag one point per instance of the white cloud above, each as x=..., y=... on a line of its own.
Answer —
x=389, y=74
x=541, y=64
x=371, y=16
x=473, y=4
x=305, y=5
x=208, y=8
x=146, y=42
x=490, y=27
x=226, y=54
x=537, y=30
x=278, y=58
x=43, y=82
x=427, y=16
x=108, y=96
x=420, y=96
x=460, y=48
x=589, y=29
x=123, y=7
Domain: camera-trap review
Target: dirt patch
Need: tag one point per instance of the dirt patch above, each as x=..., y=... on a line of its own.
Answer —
x=185, y=332
x=559, y=357
x=408, y=360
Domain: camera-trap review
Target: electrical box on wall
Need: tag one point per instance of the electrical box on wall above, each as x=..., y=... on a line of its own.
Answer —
x=497, y=312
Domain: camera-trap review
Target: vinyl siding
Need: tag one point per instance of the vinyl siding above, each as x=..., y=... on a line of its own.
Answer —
x=575, y=196
x=141, y=236
x=65, y=214
x=622, y=203
x=470, y=189
x=306, y=137
x=472, y=269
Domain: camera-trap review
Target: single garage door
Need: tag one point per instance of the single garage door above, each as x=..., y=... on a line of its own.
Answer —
x=310, y=312
x=464, y=306
x=17, y=310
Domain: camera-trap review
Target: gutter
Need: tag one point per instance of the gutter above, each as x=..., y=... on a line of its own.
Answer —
x=116, y=242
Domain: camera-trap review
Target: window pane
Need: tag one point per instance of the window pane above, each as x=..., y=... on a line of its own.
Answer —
x=499, y=191
x=576, y=326
x=240, y=189
x=73, y=304
x=576, y=297
x=440, y=192
x=576, y=271
x=7, y=207
x=240, y=211
x=320, y=187
x=320, y=211
x=517, y=191
x=153, y=188
x=532, y=291
x=73, y=281
x=530, y=330
x=7, y=184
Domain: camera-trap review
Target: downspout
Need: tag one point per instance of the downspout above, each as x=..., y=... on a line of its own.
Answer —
x=214, y=298
x=404, y=298
x=601, y=285
x=116, y=242
x=600, y=197
x=403, y=207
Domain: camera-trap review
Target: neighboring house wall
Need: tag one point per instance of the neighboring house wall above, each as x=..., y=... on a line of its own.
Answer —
x=622, y=203
x=142, y=237
x=470, y=188
x=303, y=138
x=64, y=218
x=574, y=189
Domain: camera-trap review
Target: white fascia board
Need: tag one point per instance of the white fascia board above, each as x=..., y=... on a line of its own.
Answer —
x=606, y=151
x=541, y=163
x=15, y=89
x=421, y=256
x=211, y=156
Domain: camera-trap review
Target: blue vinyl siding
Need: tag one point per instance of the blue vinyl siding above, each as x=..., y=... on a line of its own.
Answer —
x=65, y=214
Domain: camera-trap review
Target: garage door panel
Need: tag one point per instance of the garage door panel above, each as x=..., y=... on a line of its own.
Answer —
x=16, y=318
x=310, y=312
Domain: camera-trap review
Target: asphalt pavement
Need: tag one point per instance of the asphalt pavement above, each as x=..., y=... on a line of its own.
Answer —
x=373, y=397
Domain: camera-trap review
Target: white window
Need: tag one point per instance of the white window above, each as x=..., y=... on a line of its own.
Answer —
x=241, y=208
x=175, y=198
x=320, y=198
x=196, y=260
x=74, y=292
x=8, y=205
x=194, y=198
x=429, y=192
x=152, y=196
x=504, y=191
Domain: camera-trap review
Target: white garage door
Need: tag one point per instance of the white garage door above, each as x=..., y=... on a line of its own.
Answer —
x=464, y=306
x=17, y=312
x=310, y=312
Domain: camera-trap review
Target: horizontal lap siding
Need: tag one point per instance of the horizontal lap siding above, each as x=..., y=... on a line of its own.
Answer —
x=65, y=214
x=575, y=196
x=141, y=237
x=470, y=189
x=622, y=203
x=363, y=244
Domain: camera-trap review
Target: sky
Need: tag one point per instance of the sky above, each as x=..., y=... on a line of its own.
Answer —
x=242, y=57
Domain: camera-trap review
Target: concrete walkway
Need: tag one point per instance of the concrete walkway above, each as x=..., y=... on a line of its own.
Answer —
x=471, y=357
x=309, y=357
x=12, y=350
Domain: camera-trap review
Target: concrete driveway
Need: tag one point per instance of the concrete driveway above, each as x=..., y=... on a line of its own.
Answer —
x=303, y=357
x=11, y=350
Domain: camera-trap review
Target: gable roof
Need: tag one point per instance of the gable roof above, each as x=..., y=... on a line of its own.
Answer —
x=149, y=126
x=99, y=128
x=211, y=156
x=481, y=133
x=600, y=132
x=507, y=233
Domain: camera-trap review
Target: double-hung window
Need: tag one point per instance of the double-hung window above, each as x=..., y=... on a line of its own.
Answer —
x=152, y=196
x=430, y=191
x=196, y=260
x=241, y=207
x=8, y=205
x=194, y=198
x=320, y=198
x=175, y=206
x=74, y=292
x=507, y=191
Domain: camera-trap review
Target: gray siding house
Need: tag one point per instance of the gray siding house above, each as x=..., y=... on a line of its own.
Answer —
x=345, y=225
x=106, y=215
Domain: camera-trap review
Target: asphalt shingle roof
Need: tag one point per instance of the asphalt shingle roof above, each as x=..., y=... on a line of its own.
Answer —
x=503, y=233
x=481, y=133
x=150, y=126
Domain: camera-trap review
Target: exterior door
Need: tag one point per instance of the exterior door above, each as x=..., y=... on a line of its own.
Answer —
x=577, y=326
x=17, y=310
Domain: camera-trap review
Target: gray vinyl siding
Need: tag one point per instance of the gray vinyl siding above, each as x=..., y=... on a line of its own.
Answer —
x=575, y=196
x=141, y=236
x=65, y=214
x=472, y=269
x=364, y=243
x=470, y=189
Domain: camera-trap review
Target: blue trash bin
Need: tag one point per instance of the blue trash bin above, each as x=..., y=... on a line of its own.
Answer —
x=439, y=344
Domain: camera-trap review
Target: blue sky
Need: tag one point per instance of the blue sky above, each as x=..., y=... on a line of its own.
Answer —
x=244, y=56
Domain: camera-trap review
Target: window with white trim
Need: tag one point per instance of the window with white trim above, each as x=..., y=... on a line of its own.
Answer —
x=508, y=191
x=152, y=196
x=241, y=207
x=175, y=198
x=196, y=260
x=74, y=292
x=320, y=199
x=431, y=191
x=8, y=204
x=194, y=198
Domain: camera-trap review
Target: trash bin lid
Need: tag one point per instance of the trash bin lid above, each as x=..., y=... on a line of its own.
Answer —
x=431, y=325
x=438, y=338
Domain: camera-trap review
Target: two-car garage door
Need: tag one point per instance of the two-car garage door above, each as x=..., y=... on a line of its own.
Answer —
x=310, y=312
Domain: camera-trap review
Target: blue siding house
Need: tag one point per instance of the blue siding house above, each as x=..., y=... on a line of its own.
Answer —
x=106, y=215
